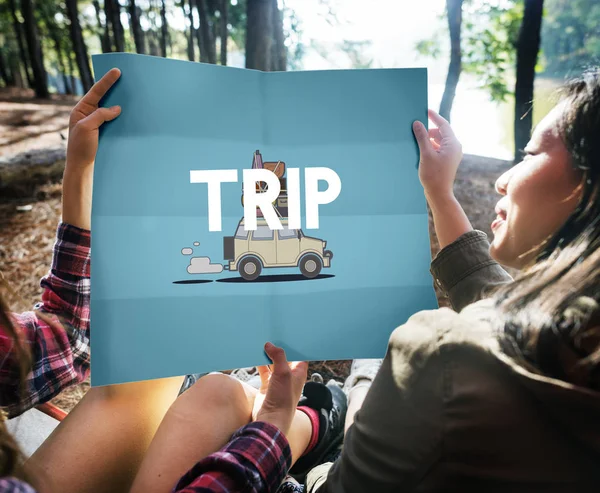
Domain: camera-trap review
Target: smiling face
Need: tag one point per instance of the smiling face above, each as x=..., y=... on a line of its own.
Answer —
x=539, y=195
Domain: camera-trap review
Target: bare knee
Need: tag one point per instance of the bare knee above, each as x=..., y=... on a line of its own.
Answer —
x=219, y=390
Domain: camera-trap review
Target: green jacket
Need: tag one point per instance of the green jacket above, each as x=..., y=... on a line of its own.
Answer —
x=448, y=411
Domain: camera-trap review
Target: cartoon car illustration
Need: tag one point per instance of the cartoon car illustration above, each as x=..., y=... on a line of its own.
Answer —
x=249, y=252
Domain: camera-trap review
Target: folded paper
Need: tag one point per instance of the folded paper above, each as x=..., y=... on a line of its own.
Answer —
x=233, y=207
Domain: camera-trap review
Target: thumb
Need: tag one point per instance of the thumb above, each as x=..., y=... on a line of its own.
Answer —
x=422, y=137
x=277, y=356
x=99, y=116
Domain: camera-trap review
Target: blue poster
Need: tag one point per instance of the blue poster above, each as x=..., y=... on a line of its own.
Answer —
x=233, y=207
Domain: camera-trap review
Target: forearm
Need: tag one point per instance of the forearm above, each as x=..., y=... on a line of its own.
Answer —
x=77, y=196
x=449, y=218
x=259, y=451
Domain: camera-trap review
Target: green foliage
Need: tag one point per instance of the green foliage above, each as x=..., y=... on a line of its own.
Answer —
x=429, y=47
x=570, y=36
x=489, y=43
x=488, y=39
x=355, y=51
x=237, y=23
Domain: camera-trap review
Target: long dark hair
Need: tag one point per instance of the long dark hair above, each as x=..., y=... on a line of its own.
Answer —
x=10, y=455
x=555, y=303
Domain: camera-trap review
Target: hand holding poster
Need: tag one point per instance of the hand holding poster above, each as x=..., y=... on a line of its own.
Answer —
x=232, y=207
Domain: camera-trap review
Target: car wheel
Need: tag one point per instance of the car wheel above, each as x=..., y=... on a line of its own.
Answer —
x=310, y=266
x=250, y=268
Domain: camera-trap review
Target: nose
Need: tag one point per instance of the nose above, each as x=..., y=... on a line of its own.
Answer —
x=502, y=182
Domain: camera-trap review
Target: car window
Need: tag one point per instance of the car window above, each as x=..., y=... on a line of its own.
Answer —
x=286, y=234
x=241, y=233
x=262, y=233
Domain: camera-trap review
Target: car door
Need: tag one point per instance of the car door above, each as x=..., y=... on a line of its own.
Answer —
x=263, y=243
x=288, y=246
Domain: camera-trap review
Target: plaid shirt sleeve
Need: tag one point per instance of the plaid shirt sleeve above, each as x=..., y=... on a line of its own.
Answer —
x=56, y=333
x=256, y=460
x=13, y=485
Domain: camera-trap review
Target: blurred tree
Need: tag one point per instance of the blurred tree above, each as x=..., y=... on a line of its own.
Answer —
x=279, y=55
x=528, y=47
x=19, y=37
x=9, y=50
x=570, y=36
x=164, y=29
x=206, y=40
x=454, y=11
x=5, y=73
x=71, y=70
x=488, y=40
x=223, y=21
x=259, y=34
x=188, y=14
x=79, y=46
x=34, y=48
x=103, y=32
x=112, y=9
x=48, y=10
x=136, y=28
x=355, y=50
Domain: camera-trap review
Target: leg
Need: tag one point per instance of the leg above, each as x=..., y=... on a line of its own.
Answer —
x=356, y=398
x=357, y=385
x=101, y=443
x=200, y=423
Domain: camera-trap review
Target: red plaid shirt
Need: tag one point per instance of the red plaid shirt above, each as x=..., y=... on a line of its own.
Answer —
x=256, y=459
x=56, y=333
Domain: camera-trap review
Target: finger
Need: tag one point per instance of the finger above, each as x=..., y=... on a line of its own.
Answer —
x=442, y=124
x=300, y=368
x=98, y=117
x=278, y=357
x=422, y=138
x=435, y=145
x=100, y=88
x=264, y=373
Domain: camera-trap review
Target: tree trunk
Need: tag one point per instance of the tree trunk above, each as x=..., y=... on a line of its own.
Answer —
x=136, y=29
x=528, y=47
x=454, y=23
x=190, y=39
x=63, y=68
x=79, y=47
x=259, y=29
x=199, y=40
x=71, y=72
x=19, y=36
x=15, y=68
x=164, y=29
x=54, y=33
x=224, y=9
x=5, y=73
x=279, y=54
x=34, y=48
x=208, y=51
x=103, y=33
x=112, y=9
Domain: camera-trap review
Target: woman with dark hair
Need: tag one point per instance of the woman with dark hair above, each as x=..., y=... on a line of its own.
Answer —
x=502, y=394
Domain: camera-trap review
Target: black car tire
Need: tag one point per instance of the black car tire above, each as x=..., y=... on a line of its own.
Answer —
x=250, y=268
x=310, y=266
